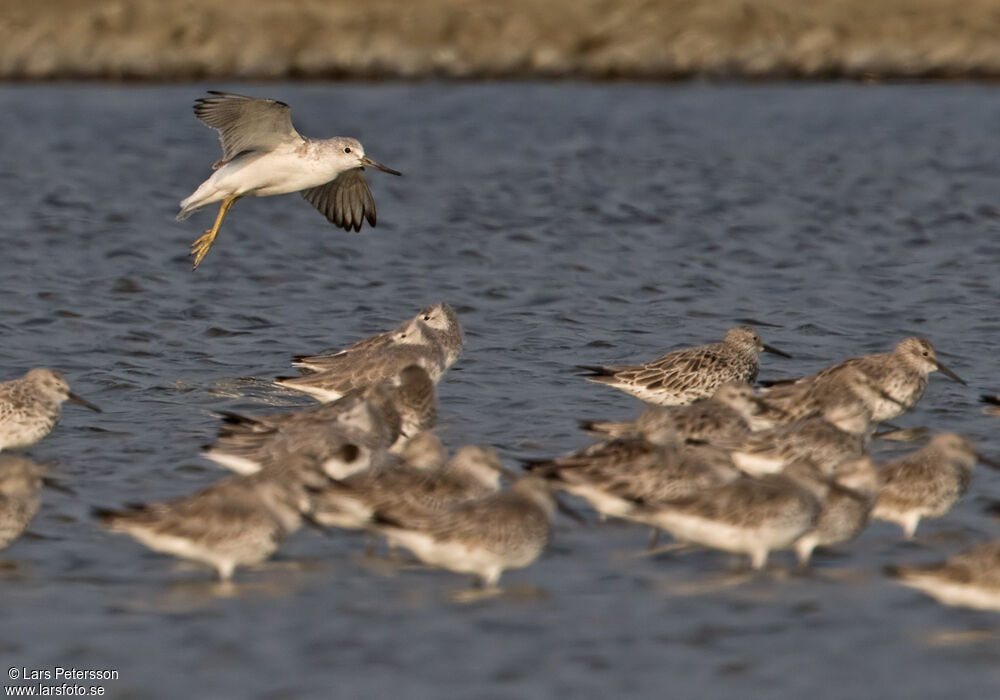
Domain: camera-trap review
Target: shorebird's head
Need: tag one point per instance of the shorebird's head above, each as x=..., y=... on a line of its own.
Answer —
x=738, y=396
x=958, y=449
x=424, y=451
x=746, y=338
x=919, y=353
x=657, y=428
x=479, y=463
x=440, y=317
x=538, y=492
x=352, y=153
x=53, y=386
x=412, y=332
x=858, y=475
x=443, y=321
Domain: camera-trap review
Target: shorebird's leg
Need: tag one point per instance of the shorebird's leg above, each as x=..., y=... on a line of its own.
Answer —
x=199, y=249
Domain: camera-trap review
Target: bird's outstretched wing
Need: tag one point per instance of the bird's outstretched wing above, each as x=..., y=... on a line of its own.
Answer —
x=246, y=123
x=346, y=200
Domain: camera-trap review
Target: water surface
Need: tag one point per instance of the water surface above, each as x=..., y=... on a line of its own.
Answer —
x=567, y=224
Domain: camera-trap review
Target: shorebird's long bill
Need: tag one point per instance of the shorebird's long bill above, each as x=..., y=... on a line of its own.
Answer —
x=775, y=351
x=989, y=462
x=57, y=485
x=369, y=163
x=83, y=402
x=951, y=375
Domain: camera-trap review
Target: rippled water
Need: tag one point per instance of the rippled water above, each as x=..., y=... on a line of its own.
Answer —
x=567, y=224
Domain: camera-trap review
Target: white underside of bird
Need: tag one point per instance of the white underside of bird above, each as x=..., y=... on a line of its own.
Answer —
x=287, y=169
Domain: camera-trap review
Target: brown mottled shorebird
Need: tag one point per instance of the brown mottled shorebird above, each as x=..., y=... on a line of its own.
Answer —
x=263, y=155
x=485, y=537
x=811, y=396
x=749, y=515
x=372, y=421
x=971, y=579
x=410, y=332
x=723, y=419
x=895, y=380
x=683, y=376
x=238, y=521
x=21, y=482
x=435, y=349
x=839, y=434
x=845, y=510
x=926, y=483
x=30, y=407
x=435, y=326
x=612, y=476
x=408, y=489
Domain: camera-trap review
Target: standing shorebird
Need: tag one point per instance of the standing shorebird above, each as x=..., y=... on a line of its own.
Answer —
x=845, y=510
x=839, y=434
x=614, y=475
x=435, y=328
x=21, y=483
x=683, y=376
x=971, y=579
x=928, y=482
x=409, y=489
x=724, y=419
x=433, y=344
x=30, y=407
x=747, y=515
x=263, y=155
x=796, y=399
x=237, y=521
x=484, y=537
x=374, y=420
x=889, y=383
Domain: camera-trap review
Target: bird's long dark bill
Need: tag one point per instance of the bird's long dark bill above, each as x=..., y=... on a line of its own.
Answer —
x=51, y=483
x=775, y=351
x=83, y=402
x=989, y=462
x=369, y=163
x=951, y=375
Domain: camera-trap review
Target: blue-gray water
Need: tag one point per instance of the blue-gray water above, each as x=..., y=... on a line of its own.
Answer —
x=567, y=224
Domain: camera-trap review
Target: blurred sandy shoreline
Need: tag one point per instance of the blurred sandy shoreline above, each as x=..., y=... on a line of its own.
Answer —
x=474, y=39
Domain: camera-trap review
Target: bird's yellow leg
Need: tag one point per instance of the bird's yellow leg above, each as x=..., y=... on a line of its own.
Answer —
x=199, y=249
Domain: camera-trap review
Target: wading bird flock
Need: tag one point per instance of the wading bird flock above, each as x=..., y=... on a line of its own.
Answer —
x=710, y=461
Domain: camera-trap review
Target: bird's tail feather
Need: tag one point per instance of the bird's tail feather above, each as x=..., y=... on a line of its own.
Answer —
x=188, y=209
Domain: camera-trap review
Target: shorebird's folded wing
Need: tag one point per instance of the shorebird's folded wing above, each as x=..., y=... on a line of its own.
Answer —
x=346, y=200
x=246, y=123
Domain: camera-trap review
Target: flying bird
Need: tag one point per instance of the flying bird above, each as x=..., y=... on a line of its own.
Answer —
x=263, y=155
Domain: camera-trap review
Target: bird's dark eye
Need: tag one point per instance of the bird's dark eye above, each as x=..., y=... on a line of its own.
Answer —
x=347, y=149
